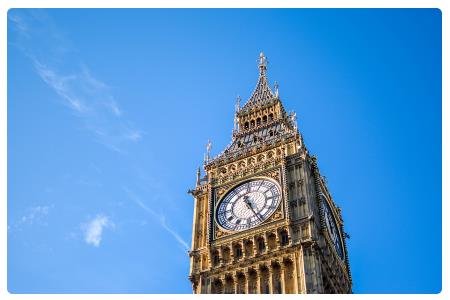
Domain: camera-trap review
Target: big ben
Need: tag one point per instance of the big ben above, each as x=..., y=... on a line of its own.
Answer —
x=264, y=220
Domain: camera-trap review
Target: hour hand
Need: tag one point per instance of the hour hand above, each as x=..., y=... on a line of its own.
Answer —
x=247, y=202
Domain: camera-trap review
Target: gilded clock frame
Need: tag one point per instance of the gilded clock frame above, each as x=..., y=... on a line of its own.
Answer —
x=216, y=205
x=275, y=175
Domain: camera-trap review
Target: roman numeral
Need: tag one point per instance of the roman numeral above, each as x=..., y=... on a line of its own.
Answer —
x=260, y=185
x=273, y=205
x=222, y=212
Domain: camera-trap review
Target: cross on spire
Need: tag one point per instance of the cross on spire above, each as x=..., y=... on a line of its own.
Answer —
x=262, y=63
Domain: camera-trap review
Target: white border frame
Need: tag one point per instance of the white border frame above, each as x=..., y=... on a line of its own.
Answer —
x=7, y=4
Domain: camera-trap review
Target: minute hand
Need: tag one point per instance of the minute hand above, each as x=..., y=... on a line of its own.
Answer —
x=249, y=205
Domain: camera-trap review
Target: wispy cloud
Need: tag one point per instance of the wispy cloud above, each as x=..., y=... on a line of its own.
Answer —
x=175, y=234
x=157, y=217
x=34, y=215
x=61, y=85
x=89, y=98
x=19, y=24
x=93, y=229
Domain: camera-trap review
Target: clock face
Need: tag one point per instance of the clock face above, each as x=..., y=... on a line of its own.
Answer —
x=248, y=204
x=332, y=227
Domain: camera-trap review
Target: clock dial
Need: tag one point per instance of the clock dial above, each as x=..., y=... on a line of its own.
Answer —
x=248, y=204
x=332, y=227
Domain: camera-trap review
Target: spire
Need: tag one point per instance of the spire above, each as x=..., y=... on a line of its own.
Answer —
x=237, y=107
x=208, y=152
x=293, y=119
x=262, y=64
x=262, y=92
x=198, y=177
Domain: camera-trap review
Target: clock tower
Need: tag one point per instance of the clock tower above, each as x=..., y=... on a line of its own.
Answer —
x=264, y=219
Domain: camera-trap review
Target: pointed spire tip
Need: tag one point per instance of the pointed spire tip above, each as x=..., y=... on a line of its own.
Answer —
x=262, y=60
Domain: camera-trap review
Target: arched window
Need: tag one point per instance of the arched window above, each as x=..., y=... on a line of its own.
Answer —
x=216, y=258
x=229, y=285
x=265, y=281
x=252, y=282
x=264, y=119
x=217, y=287
x=238, y=252
x=226, y=255
x=246, y=125
x=271, y=241
x=270, y=117
x=284, y=238
x=240, y=287
x=248, y=248
x=261, y=245
x=289, y=277
x=252, y=123
x=277, y=286
x=258, y=121
x=276, y=279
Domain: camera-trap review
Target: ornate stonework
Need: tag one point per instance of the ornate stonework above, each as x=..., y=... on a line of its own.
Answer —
x=295, y=245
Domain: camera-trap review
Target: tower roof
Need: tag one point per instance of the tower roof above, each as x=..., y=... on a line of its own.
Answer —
x=262, y=92
x=252, y=132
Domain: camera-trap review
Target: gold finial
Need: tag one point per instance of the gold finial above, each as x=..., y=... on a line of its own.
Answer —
x=262, y=62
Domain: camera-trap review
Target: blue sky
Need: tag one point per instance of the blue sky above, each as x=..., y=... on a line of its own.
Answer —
x=109, y=112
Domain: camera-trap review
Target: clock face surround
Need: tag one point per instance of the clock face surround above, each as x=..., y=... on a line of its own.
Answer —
x=248, y=204
x=332, y=227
